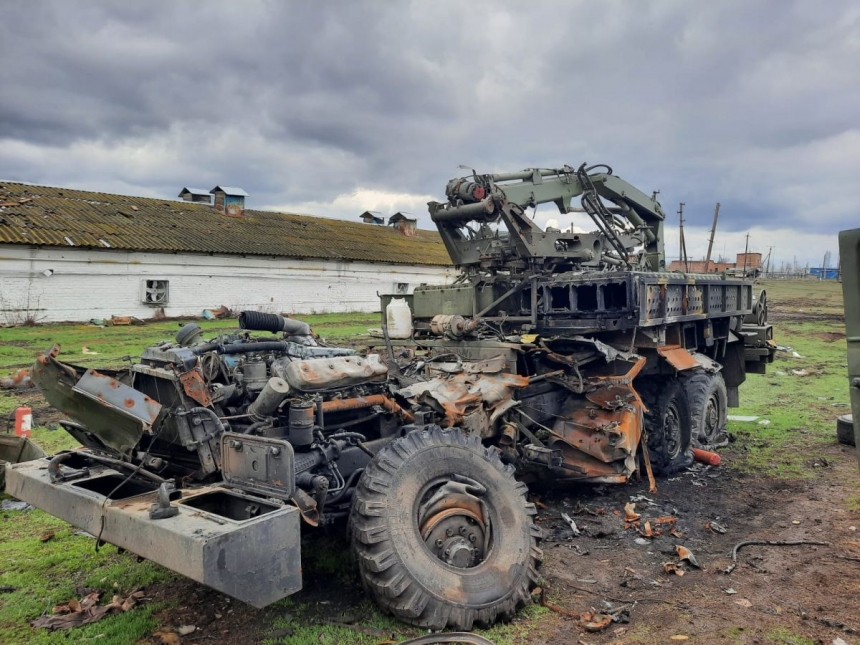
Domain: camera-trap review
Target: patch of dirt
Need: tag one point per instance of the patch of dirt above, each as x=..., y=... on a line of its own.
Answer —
x=778, y=587
x=795, y=588
x=828, y=336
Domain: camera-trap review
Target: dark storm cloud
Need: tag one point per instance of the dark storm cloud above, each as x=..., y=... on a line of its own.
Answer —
x=753, y=104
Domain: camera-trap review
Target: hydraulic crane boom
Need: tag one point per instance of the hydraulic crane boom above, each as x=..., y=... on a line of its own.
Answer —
x=632, y=222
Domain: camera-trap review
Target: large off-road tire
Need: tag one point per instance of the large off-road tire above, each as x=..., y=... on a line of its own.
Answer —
x=442, y=532
x=706, y=394
x=668, y=423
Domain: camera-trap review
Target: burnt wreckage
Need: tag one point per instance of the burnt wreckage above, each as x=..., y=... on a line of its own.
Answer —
x=556, y=355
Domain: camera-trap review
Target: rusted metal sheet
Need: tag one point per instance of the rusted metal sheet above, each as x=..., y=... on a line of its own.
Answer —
x=122, y=415
x=195, y=387
x=459, y=396
x=678, y=357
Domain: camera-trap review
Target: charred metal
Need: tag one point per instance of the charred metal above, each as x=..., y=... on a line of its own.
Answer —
x=556, y=356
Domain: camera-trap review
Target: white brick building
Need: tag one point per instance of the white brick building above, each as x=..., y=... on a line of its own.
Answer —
x=75, y=255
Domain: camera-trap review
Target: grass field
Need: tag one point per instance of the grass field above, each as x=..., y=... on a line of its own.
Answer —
x=43, y=560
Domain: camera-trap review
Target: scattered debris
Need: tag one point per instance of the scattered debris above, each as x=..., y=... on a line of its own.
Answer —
x=185, y=630
x=764, y=422
x=741, y=545
x=76, y=613
x=800, y=372
x=671, y=567
x=707, y=457
x=594, y=622
x=685, y=554
x=87, y=350
x=630, y=514
x=715, y=527
x=679, y=637
x=46, y=536
x=19, y=381
x=213, y=314
x=743, y=602
x=572, y=524
x=729, y=591
x=15, y=505
x=743, y=418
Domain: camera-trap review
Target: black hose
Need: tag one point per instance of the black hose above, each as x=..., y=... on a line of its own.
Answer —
x=347, y=487
x=243, y=348
x=256, y=426
x=259, y=321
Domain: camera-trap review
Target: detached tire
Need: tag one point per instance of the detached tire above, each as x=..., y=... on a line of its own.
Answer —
x=668, y=423
x=845, y=430
x=708, y=399
x=442, y=532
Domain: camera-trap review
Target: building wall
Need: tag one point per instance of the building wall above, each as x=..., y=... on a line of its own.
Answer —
x=753, y=260
x=698, y=266
x=86, y=284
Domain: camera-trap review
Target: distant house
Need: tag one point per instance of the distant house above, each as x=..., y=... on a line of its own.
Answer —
x=743, y=261
x=75, y=255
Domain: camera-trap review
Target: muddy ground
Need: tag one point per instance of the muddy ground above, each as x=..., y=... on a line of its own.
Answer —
x=777, y=594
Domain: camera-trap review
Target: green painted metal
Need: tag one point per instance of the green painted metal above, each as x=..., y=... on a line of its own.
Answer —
x=849, y=252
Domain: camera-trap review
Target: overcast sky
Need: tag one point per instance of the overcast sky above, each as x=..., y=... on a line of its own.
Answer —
x=334, y=108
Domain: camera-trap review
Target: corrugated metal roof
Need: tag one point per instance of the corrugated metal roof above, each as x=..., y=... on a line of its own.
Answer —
x=233, y=191
x=46, y=216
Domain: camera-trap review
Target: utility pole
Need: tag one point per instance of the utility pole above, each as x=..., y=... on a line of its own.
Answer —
x=711, y=241
x=683, y=245
x=746, y=253
x=769, y=255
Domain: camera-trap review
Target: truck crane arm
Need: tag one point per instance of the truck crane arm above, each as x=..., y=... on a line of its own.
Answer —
x=631, y=220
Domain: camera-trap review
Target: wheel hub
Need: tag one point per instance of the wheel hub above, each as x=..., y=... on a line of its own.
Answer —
x=673, y=432
x=453, y=526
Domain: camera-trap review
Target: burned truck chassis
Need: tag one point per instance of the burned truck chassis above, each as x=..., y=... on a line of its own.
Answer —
x=210, y=457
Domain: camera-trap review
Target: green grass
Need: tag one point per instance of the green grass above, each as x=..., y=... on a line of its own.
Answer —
x=19, y=345
x=44, y=574
x=801, y=410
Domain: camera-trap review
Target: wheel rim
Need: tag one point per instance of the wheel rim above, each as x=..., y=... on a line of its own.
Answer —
x=711, y=420
x=454, y=524
x=673, y=431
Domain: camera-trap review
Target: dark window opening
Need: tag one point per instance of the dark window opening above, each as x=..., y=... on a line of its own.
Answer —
x=560, y=298
x=615, y=296
x=586, y=297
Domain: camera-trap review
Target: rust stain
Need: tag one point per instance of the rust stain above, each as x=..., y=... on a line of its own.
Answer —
x=129, y=403
x=678, y=357
x=358, y=403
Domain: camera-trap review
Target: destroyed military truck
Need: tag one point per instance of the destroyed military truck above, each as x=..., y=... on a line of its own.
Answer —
x=556, y=356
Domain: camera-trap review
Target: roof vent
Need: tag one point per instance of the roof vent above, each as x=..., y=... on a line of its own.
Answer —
x=372, y=217
x=195, y=195
x=229, y=200
x=404, y=225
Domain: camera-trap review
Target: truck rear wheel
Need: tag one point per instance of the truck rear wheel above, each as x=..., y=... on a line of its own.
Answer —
x=443, y=533
x=668, y=423
x=708, y=406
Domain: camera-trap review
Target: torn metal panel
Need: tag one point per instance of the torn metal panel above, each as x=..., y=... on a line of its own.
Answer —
x=463, y=394
x=678, y=357
x=121, y=415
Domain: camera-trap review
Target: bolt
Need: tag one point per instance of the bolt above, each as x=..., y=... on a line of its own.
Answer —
x=447, y=552
x=472, y=537
x=449, y=532
x=439, y=542
x=462, y=530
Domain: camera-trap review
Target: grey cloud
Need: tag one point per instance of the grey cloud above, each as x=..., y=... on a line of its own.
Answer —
x=304, y=102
